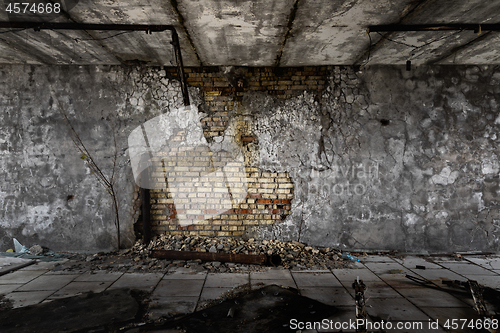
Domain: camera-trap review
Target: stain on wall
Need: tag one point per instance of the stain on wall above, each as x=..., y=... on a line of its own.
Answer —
x=380, y=158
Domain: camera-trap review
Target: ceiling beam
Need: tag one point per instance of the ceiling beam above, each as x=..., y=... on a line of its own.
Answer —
x=182, y=23
x=459, y=48
x=477, y=28
x=289, y=26
x=407, y=15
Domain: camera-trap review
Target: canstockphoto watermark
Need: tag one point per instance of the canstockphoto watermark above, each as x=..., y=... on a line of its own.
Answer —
x=170, y=152
x=343, y=180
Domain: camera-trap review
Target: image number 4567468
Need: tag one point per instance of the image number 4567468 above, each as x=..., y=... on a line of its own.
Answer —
x=41, y=10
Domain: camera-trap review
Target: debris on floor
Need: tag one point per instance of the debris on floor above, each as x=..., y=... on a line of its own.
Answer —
x=140, y=258
x=293, y=254
x=269, y=309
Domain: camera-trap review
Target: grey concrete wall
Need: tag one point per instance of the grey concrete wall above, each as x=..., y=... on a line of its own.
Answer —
x=389, y=159
x=40, y=165
x=381, y=159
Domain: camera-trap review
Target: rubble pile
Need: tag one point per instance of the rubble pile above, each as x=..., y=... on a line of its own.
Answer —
x=293, y=254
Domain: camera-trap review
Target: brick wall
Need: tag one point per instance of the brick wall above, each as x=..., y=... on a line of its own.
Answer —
x=267, y=196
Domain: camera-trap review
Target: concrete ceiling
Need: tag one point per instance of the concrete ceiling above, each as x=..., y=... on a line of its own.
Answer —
x=259, y=33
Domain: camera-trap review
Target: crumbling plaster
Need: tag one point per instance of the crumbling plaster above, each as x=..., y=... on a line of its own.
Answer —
x=386, y=158
x=383, y=158
x=47, y=193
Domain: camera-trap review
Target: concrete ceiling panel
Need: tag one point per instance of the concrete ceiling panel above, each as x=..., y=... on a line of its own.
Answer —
x=261, y=33
x=420, y=47
x=154, y=49
x=229, y=32
x=9, y=55
x=432, y=47
x=485, y=51
x=335, y=31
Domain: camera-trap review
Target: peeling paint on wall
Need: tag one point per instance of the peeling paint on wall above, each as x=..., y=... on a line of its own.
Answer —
x=378, y=159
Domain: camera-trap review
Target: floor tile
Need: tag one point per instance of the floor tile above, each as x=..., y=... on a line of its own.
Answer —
x=101, y=276
x=226, y=279
x=271, y=274
x=185, y=273
x=429, y=296
x=375, y=258
x=399, y=280
x=77, y=288
x=48, y=282
x=13, y=264
x=7, y=288
x=488, y=263
x=336, y=296
x=468, y=269
x=257, y=284
x=393, y=309
x=189, y=287
x=437, y=275
x=142, y=281
x=412, y=262
x=492, y=281
x=386, y=268
x=20, y=276
x=315, y=280
x=440, y=259
x=41, y=265
x=25, y=298
x=349, y=275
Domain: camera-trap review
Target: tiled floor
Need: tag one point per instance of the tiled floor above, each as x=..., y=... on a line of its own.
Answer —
x=391, y=296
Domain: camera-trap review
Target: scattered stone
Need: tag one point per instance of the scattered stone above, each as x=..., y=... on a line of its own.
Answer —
x=213, y=249
x=36, y=250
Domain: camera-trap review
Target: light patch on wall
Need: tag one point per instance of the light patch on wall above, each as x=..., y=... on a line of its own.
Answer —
x=497, y=121
x=38, y=219
x=446, y=177
x=410, y=219
x=490, y=166
x=479, y=198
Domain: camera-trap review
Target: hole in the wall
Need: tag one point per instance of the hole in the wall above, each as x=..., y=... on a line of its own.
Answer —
x=70, y=197
x=385, y=122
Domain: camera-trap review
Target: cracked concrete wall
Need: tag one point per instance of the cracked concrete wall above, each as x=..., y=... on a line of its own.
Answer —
x=386, y=158
x=380, y=158
x=48, y=195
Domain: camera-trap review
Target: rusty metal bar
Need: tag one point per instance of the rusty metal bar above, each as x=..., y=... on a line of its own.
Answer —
x=477, y=295
x=262, y=259
x=359, y=297
x=85, y=26
x=180, y=67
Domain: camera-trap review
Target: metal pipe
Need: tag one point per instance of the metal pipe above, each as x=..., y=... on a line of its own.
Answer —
x=146, y=227
x=15, y=268
x=85, y=26
x=262, y=259
x=180, y=67
x=433, y=27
